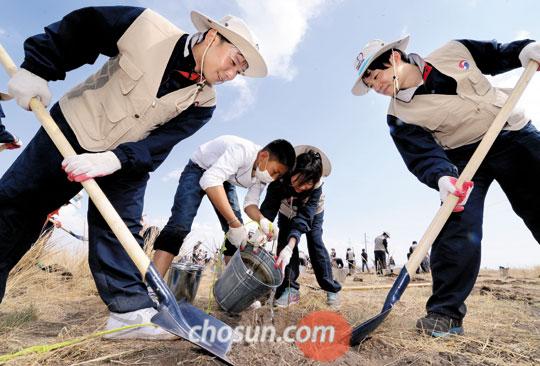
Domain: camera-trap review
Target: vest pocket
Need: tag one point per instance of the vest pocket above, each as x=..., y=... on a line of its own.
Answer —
x=130, y=75
x=479, y=83
x=114, y=111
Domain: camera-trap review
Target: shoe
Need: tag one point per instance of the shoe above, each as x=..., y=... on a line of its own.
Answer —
x=141, y=316
x=332, y=299
x=437, y=325
x=289, y=297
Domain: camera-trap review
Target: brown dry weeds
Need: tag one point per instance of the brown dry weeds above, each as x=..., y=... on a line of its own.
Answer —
x=502, y=327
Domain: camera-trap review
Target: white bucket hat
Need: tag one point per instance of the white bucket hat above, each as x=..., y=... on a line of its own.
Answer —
x=237, y=32
x=369, y=53
x=327, y=166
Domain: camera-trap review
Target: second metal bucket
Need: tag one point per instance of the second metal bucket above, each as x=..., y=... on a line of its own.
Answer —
x=184, y=280
x=249, y=276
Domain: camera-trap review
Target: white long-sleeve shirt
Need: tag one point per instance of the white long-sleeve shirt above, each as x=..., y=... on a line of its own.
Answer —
x=230, y=158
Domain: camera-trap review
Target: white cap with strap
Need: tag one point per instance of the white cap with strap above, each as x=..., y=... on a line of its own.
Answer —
x=236, y=31
x=369, y=53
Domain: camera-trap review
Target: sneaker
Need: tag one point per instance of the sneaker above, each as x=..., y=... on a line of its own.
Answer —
x=437, y=325
x=289, y=297
x=332, y=299
x=118, y=320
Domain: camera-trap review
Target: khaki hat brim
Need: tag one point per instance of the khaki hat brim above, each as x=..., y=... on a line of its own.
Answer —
x=257, y=66
x=359, y=87
x=327, y=166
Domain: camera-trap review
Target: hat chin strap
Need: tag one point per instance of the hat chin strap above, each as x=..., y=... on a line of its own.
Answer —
x=395, y=88
x=202, y=79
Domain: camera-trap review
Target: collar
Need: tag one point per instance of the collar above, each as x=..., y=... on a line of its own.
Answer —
x=188, y=58
x=406, y=95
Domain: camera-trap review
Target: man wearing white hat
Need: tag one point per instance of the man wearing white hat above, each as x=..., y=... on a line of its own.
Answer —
x=441, y=107
x=7, y=140
x=298, y=201
x=155, y=90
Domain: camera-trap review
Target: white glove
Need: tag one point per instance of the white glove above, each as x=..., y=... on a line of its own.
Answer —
x=447, y=185
x=284, y=258
x=268, y=229
x=237, y=235
x=25, y=85
x=87, y=166
x=530, y=52
x=256, y=238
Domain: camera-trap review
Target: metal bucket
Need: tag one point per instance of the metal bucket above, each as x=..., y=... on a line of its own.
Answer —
x=184, y=280
x=248, y=277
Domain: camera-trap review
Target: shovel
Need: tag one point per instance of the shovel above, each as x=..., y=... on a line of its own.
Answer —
x=181, y=318
x=362, y=331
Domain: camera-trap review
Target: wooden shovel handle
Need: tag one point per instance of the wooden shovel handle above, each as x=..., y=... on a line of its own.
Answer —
x=95, y=193
x=472, y=166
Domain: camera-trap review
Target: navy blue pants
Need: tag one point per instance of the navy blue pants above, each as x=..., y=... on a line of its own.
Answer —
x=187, y=200
x=35, y=185
x=320, y=260
x=514, y=162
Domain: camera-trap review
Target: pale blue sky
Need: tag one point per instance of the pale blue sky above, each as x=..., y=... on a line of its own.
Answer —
x=311, y=46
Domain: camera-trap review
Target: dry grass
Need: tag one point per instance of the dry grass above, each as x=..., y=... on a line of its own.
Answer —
x=502, y=326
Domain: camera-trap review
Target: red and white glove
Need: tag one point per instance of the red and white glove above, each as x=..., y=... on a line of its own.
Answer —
x=268, y=229
x=83, y=167
x=530, y=52
x=447, y=185
x=25, y=85
x=13, y=145
x=284, y=258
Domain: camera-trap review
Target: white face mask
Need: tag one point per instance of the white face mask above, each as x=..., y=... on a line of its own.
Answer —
x=263, y=176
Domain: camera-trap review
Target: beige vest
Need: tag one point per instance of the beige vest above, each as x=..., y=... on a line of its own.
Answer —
x=118, y=103
x=462, y=119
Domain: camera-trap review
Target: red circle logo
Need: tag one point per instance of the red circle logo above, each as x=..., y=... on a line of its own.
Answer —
x=323, y=335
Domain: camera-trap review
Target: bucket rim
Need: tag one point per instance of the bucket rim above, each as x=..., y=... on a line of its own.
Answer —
x=254, y=277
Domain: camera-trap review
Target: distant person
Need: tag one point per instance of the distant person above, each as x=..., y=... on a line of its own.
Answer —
x=391, y=264
x=381, y=250
x=339, y=262
x=411, y=250
x=425, y=265
x=333, y=257
x=350, y=256
x=365, y=260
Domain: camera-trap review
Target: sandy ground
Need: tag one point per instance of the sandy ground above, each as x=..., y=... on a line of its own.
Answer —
x=502, y=326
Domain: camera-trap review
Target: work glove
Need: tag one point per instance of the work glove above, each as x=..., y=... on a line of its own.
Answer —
x=13, y=145
x=256, y=238
x=268, y=229
x=284, y=258
x=83, y=167
x=530, y=52
x=447, y=185
x=238, y=236
x=25, y=85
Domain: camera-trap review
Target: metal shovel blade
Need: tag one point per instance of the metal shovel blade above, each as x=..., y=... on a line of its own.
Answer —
x=360, y=332
x=188, y=322
x=363, y=330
